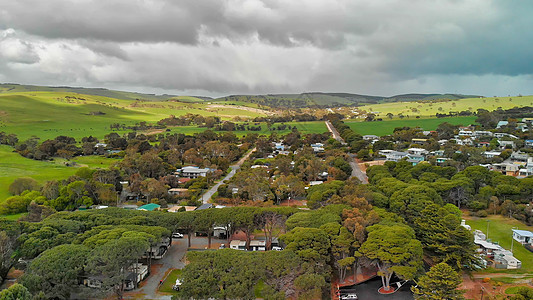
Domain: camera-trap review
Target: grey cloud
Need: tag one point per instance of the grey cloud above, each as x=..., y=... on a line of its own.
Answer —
x=274, y=46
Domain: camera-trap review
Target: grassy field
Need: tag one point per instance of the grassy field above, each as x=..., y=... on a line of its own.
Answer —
x=500, y=231
x=430, y=108
x=49, y=114
x=95, y=161
x=387, y=126
x=12, y=166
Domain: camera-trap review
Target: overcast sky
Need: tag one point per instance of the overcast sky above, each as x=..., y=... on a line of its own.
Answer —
x=222, y=47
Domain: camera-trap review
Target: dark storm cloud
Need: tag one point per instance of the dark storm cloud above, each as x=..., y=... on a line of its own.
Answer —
x=275, y=46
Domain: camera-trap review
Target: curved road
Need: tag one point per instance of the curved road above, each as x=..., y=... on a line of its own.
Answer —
x=207, y=195
x=356, y=171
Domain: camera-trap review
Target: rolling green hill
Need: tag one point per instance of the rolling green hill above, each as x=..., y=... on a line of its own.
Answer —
x=49, y=114
x=317, y=99
x=17, y=88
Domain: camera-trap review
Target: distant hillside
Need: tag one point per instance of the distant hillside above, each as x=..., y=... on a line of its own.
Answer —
x=15, y=88
x=318, y=99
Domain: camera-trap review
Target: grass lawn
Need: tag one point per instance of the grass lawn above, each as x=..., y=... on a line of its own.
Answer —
x=166, y=287
x=12, y=166
x=258, y=289
x=386, y=127
x=13, y=217
x=500, y=231
x=513, y=290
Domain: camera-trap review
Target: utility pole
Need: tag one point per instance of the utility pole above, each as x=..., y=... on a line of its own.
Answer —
x=488, y=222
x=512, y=238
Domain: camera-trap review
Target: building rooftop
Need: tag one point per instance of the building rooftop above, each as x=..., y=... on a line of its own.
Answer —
x=526, y=233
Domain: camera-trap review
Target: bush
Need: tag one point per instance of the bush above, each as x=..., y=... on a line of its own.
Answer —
x=482, y=213
x=22, y=184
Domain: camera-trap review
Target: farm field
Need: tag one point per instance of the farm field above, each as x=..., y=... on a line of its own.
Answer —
x=49, y=114
x=12, y=166
x=387, y=126
x=430, y=108
x=500, y=231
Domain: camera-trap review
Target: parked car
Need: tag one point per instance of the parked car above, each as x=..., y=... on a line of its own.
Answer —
x=350, y=296
x=177, y=235
x=222, y=246
x=276, y=248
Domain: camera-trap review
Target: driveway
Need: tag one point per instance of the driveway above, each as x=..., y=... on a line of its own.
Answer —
x=207, y=195
x=172, y=260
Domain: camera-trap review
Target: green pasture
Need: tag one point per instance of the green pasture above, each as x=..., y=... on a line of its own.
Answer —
x=95, y=161
x=13, y=166
x=430, y=108
x=49, y=114
x=500, y=231
x=386, y=127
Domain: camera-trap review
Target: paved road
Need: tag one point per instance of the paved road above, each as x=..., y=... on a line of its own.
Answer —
x=356, y=170
x=207, y=195
x=334, y=132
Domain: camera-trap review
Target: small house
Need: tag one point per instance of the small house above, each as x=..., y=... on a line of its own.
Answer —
x=178, y=192
x=256, y=245
x=237, y=245
x=419, y=141
x=194, y=172
x=523, y=236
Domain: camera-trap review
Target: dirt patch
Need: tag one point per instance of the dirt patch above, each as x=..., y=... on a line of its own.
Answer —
x=250, y=109
x=155, y=131
x=363, y=164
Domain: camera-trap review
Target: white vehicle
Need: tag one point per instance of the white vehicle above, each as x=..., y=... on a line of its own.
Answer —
x=350, y=296
x=276, y=248
x=177, y=235
x=177, y=285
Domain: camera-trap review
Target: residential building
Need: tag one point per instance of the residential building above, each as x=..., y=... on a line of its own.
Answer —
x=491, y=154
x=417, y=151
x=193, y=172
x=178, y=192
x=256, y=245
x=237, y=245
x=523, y=236
x=370, y=137
x=419, y=141
x=501, y=124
